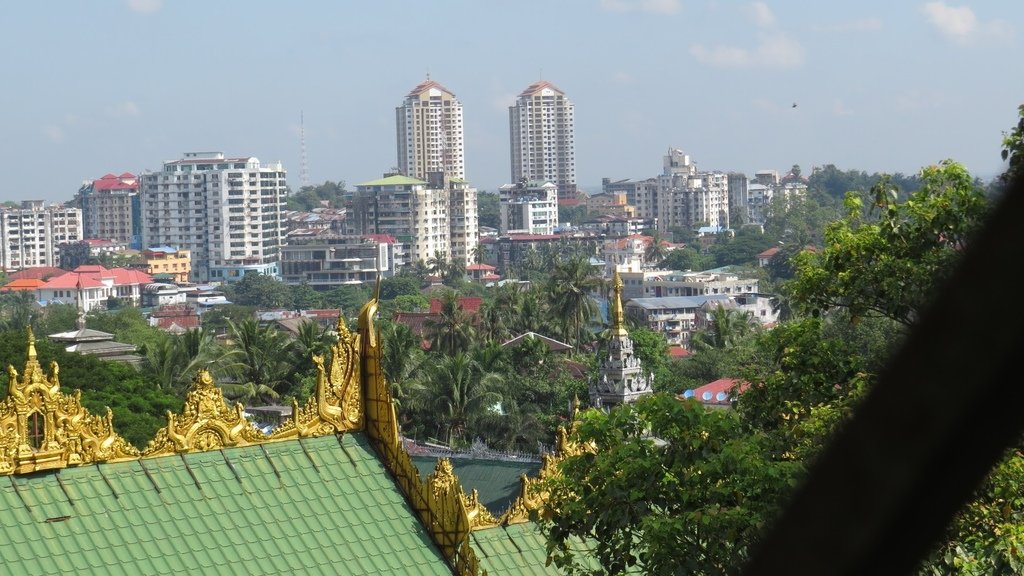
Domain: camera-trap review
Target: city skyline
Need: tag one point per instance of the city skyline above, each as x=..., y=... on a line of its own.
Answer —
x=122, y=86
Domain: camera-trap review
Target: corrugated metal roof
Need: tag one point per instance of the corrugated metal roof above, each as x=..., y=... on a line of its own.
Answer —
x=315, y=506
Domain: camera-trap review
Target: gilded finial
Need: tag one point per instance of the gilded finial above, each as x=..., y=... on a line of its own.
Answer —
x=616, y=314
x=31, y=345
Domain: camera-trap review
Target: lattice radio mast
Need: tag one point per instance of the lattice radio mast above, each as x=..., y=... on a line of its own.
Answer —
x=304, y=166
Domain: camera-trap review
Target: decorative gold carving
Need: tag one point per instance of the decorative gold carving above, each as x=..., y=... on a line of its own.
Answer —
x=206, y=423
x=439, y=502
x=532, y=496
x=42, y=428
x=337, y=403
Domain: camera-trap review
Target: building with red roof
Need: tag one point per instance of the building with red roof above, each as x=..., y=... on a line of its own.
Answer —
x=38, y=273
x=22, y=285
x=91, y=286
x=539, y=113
x=716, y=394
x=110, y=209
x=430, y=132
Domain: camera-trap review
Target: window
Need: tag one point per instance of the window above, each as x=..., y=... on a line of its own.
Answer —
x=36, y=430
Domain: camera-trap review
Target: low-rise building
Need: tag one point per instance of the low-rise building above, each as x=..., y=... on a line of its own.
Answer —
x=92, y=286
x=665, y=283
x=168, y=263
x=326, y=260
x=529, y=208
x=674, y=317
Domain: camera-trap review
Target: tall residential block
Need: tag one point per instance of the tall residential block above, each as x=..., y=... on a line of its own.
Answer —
x=225, y=211
x=543, y=147
x=426, y=217
x=31, y=235
x=429, y=126
x=111, y=209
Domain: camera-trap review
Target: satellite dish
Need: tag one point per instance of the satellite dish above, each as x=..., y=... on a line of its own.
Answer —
x=721, y=396
x=706, y=396
x=688, y=394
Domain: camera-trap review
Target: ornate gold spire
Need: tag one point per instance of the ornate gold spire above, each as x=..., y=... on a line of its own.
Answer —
x=616, y=316
x=41, y=428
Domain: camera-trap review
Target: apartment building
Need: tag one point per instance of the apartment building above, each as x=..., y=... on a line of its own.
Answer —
x=227, y=212
x=111, y=209
x=542, y=131
x=407, y=208
x=430, y=135
x=529, y=207
x=464, y=220
x=665, y=283
x=30, y=236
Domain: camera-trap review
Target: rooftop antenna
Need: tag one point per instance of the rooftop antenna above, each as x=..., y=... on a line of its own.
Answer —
x=304, y=169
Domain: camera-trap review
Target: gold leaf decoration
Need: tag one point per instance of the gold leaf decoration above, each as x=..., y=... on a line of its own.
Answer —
x=42, y=428
x=206, y=423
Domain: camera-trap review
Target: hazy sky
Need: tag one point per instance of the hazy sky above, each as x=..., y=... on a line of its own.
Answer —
x=112, y=86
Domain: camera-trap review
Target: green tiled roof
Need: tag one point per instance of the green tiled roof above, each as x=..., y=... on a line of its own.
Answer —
x=516, y=549
x=319, y=505
x=496, y=481
x=393, y=181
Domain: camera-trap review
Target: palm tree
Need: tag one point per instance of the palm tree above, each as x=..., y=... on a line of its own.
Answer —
x=263, y=360
x=401, y=359
x=569, y=287
x=437, y=264
x=313, y=339
x=726, y=329
x=452, y=329
x=459, y=392
x=656, y=251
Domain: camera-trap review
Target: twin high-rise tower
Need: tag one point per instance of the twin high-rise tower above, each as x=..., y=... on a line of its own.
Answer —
x=541, y=129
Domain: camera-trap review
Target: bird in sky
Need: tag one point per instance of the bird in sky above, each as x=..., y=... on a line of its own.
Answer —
x=794, y=104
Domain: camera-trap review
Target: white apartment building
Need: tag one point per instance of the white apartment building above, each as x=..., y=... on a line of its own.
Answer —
x=227, y=212
x=669, y=283
x=528, y=207
x=464, y=219
x=409, y=209
x=543, y=146
x=30, y=235
x=430, y=135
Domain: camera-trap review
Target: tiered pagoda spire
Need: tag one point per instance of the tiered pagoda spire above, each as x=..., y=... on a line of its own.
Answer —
x=621, y=377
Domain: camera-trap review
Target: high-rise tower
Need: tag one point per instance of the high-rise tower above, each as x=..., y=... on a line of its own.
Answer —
x=543, y=146
x=225, y=211
x=429, y=125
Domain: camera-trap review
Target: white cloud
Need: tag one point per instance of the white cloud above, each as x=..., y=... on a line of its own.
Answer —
x=961, y=25
x=647, y=6
x=145, y=6
x=957, y=23
x=123, y=109
x=774, y=50
x=53, y=133
x=763, y=16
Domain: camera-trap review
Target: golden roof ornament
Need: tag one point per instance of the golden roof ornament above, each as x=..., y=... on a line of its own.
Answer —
x=206, y=423
x=42, y=428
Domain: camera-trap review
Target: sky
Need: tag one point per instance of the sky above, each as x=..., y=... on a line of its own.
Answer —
x=112, y=86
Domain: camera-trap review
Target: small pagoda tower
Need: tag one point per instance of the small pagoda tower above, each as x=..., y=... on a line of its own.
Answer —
x=621, y=378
